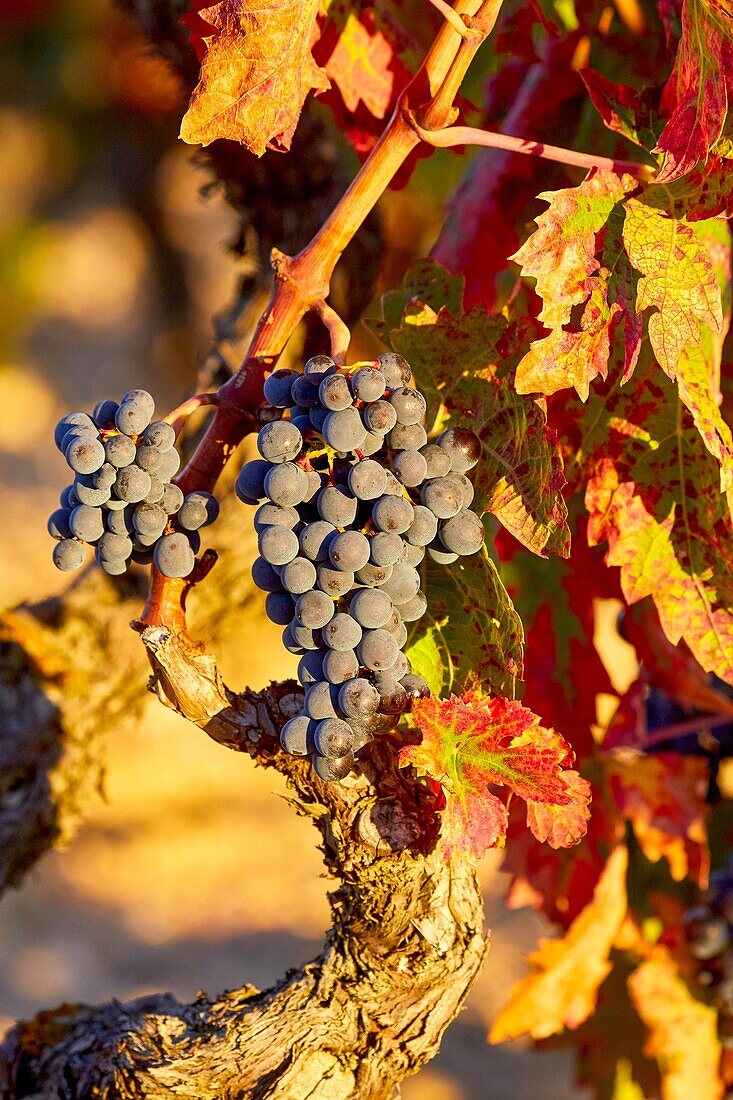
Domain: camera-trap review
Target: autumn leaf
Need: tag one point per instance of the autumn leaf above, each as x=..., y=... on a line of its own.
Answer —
x=255, y=75
x=664, y=797
x=677, y=281
x=682, y=1031
x=476, y=740
x=360, y=66
x=569, y=971
x=470, y=634
x=627, y=111
x=699, y=90
x=463, y=363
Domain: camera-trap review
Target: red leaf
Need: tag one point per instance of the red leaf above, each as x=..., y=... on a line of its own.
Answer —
x=473, y=741
x=699, y=89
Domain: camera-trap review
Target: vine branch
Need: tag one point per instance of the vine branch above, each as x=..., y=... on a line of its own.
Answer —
x=451, y=136
x=303, y=282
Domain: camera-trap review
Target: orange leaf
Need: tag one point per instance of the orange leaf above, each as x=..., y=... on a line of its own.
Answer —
x=663, y=796
x=682, y=1031
x=360, y=67
x=473, y=741
x=255, y=75
x=569, y=971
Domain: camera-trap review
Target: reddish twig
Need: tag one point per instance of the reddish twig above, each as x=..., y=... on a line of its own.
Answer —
x=338, y=331
x=469, y=135
x=700, y=724
x=177, y=417
x=303, y=282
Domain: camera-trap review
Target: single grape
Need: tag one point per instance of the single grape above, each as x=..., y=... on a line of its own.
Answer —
x=103, y=414
x=313, y=609
x=406, y=437
x=443, y=496
x=368, y=384
x=87, y=493
x=367, y=480
x=395, y=369
x=362, y=735
x=332, y=770
x=104, y=477
x=377, y=650
x=415, y=686
x=112, y=547
x=315, y=539
x=169, y=464
x=72, y=420
x=463, y=534
x=135, y=412
x=278, y=386
x=306, y=637
x=403, y=584
x=279, y=608
x=344, y=430
x=438, y=460
x=316, y=482
x=409, y=404
x=310, y=667
x=373, y=575
x=286, y=484
x=132, y=484
x=157, y=490
x=320, y=701
x=438, y=553
x=298, y=576
x=463, y=447
x=304, y=393
x=199, y=509
x=296, y=736
x=334, y=393
x=334, y=582
x=707, y=934
x=114, y=504
x=149, y=520
x=358, y=698
x=250, y=484
x=85, y=454
x=413, y=609
x=394, y=489
x=120, y=451
x=86, y=523
x=401, y=667
x=371, y=608
x=317, y=417
x=340, y=666
x=142, y=555
x=277, y=545
x=333, y=738
x=410, y=468
x=68, y=497
x=392, y=514
x=173, y=556
x=58, y=524
x=386, y=548
x=379, y=417
x=424, y=527
x=319, y=367
x=342, y=632
x=119, y=523
x=336, y=505
x=68, y=555
x=272, y=515
x=349, y=550
x=149, y=458
x=279, y=441
x=373, y=442
x=289, y=641
x=171, y=500
x=392, y=696
x=265, y=576
x=399, y=633
x=301, y=421
x=112, y=567
x=414, y=555
x=160, y=435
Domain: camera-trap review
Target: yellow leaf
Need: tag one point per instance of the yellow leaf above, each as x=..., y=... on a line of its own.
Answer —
x=569, y=971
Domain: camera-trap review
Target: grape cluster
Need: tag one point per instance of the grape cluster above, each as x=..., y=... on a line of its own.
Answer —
x=709, y=933
x=122, y=500
x=351, y=497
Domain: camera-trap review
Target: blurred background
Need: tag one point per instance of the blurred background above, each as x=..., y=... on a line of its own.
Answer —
x=192, y=872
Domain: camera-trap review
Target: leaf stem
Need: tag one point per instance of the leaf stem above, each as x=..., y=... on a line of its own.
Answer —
x=452, y=16
x=469, y=135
